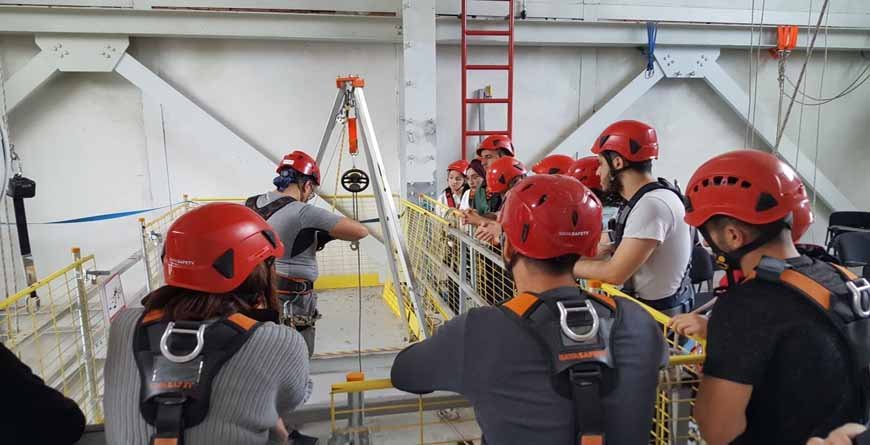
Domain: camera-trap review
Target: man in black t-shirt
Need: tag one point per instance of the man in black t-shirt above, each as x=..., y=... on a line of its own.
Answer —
x=777, y=370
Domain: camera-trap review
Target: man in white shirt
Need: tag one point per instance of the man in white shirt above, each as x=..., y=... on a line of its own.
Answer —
x=651, y=245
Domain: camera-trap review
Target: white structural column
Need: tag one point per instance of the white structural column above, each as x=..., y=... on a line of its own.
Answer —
x=419, y=132
x=765, y=126
x=606, y=115
x=33, y=75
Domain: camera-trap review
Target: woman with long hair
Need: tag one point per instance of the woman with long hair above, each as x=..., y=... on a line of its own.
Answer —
x=204, y=361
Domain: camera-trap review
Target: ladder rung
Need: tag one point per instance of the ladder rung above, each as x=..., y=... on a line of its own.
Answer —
x=487, y=100
x=484, y=132
x=483, y=32
x=487, y=67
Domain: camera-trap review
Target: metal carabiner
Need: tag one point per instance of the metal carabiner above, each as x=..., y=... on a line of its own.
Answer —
x=563, y=320
x=857, y=290
x=164, y=339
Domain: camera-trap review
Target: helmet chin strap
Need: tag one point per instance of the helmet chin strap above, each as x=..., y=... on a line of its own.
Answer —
x=731, y=260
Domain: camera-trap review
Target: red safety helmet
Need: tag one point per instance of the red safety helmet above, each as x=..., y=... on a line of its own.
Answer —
x=215, y=247
x=459, y=166
x=502, y=172
x=302, y=163
x=634, y=141
x=547, y=216
x=750, y=186
x=802, y=219
x=497, y=142
x=585, y=170
x=553, y=165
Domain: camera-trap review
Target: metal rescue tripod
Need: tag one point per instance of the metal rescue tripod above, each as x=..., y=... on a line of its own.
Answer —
x=350, y=106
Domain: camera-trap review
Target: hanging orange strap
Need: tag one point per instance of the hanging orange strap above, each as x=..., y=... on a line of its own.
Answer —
x=353, y=142
x=786, y=40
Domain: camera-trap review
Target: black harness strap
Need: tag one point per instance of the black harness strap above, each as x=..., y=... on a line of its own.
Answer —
x=685, y=293
x=581, y=370
x=304, y=239
x=617, y=225
x=176, y=381
x=269, y=209
x=843, y=298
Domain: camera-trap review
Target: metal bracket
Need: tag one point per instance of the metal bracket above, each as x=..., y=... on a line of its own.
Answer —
x=685, y=63
x=84, y=53
x=94, y=274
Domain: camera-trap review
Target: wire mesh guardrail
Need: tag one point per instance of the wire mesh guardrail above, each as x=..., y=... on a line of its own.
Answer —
x=58, y=328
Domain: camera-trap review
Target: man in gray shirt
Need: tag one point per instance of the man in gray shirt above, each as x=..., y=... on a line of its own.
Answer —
x=490, y=356
x=304, y=229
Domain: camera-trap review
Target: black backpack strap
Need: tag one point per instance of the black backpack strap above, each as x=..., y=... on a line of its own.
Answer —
x=580, y=360
x=177, y=363
x=269, y=209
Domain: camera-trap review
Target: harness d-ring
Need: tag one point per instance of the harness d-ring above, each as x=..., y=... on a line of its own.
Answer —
x=164, y=339
x=858, y=289
x=573, y=335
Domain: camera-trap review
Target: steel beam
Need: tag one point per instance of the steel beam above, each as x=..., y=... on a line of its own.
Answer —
x=152, y=85
x=606, y=115
x=418, y=138
x=765, y=126
x=697, y=63
x=199, y=24
x=29, y=78
x=327, y=6
x=679, y=27
x=632, y=34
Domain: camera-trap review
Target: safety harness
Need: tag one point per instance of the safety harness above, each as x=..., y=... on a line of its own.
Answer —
x=576, y=334
x=178, y=362
x=844, y=299
x=290, y=289
x=617, y=225
x=684, y=295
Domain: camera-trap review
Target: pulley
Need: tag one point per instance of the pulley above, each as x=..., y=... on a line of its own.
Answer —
x=355, y=180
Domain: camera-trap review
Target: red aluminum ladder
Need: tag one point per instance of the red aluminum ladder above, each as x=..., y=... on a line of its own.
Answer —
x=466, y=67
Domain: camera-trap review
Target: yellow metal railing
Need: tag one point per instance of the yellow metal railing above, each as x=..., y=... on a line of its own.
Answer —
x=422, y=426
x=58, y=327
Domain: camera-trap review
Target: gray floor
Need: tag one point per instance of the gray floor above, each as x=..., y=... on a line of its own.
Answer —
x=337, y=330
x=337, y=336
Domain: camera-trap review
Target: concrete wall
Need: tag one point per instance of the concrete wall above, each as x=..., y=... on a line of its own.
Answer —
x=84, y=140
